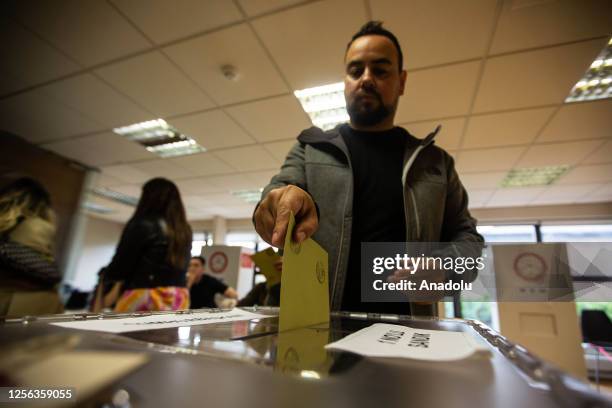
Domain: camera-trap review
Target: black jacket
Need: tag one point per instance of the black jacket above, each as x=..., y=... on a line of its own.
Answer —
x=141, y=257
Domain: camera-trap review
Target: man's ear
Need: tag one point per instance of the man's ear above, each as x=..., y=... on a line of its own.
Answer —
x=402, y=81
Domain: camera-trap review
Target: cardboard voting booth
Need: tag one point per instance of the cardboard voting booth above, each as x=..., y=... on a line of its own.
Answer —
x=230, y=264
x=536, y=306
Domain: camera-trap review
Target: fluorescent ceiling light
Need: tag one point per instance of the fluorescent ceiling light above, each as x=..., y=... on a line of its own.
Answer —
x=158, y=137
x=538, y=176
x=597, y=81
x=97, y=208
x=115, y=196
x=324, y=104
x=250, y=196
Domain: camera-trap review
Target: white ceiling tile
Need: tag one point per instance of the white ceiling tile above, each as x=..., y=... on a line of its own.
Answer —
x=308, y=42
x=272, y=119
x=540, y=23
x=248, y=158
x=91, y=32
x=574, y=121
x=163, y=20
x=27, y=57
x=195, y=201
x=261, y=178
x=199, y=186
x=489, y=180
x=449, y=136
x=234, y=182
x=601, y=173
x=505, y=129
x=438, y=92
x=256, y=7
x=482, y=160
x=234, y=212
x=213, y=129
x=102, y=179
x=510, y=197
x=156, y=84
x=97, y=100
x=37, y=118
x=479, y=198
x=126, y=173
x=100, y=149
x=225, y=198
x=534, y=78
x=602, y=194
x=202, y=164
x=162, y=168
x=279, y=150
x=439, y=31
x=132, y=190
x=557, y=154
x=601, y=155
x=202, y=58
x=565, y=194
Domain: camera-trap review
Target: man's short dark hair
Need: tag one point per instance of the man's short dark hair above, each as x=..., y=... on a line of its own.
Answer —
x=376, y=28
x=200, y=258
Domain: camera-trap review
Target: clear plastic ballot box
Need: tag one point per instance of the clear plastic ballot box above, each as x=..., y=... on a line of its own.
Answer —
x=248, y=363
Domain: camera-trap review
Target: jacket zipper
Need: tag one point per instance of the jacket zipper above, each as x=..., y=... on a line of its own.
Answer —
x=424, y=143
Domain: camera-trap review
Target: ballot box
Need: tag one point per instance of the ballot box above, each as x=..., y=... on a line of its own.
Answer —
x=249, y=363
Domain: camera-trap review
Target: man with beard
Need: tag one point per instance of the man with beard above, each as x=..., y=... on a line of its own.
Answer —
x=368, y=180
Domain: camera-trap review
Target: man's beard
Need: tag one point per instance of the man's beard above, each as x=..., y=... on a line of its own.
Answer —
x=368, y=116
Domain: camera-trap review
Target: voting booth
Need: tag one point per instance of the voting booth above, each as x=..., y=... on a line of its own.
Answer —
x=230, y=264
x=536, y=304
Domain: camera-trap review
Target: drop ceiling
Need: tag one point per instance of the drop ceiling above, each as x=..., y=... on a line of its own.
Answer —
x=493, y=73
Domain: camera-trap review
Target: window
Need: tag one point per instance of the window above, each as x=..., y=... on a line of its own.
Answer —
x=599, y=237
x=508, y=233
x=577, y=233
x=199, y=240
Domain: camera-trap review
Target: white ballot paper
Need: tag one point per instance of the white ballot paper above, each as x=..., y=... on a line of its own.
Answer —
x=391, y=340
x=161, y=321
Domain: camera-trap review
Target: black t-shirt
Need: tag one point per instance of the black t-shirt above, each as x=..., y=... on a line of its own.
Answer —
x=378, y=205
x=203, y=293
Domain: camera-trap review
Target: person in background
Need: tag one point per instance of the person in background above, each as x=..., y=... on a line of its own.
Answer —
x=153, y=253
x=203, y=288
x=263, y=294
x=28, y=273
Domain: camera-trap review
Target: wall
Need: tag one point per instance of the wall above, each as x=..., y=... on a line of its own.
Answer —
x=98, y=247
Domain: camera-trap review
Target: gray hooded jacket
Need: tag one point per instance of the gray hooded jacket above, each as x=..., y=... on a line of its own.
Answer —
x=435, y=201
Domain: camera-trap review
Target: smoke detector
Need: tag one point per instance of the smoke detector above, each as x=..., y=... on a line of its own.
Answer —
x=230, y=72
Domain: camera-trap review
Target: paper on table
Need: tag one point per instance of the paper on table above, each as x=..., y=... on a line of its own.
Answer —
x=265, y=260
x=304, y=296
x=390, y=340
x=161, y=321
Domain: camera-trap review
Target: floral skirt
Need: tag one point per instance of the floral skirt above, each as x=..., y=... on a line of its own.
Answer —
x=160, y=298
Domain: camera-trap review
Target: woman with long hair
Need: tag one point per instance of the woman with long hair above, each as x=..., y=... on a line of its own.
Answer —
x=28, y=273
x=153, y=253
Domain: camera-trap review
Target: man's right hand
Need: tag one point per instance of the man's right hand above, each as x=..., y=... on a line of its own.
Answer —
x=272, y=215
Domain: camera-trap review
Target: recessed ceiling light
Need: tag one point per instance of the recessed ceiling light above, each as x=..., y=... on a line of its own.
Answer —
x=250, y=196
x=535, y=176
x=324, y=104
x=597, y=81
x=157, y=136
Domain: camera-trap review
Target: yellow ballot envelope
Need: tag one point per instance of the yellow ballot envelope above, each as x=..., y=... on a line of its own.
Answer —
x=304, y=296
x=265, y=260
